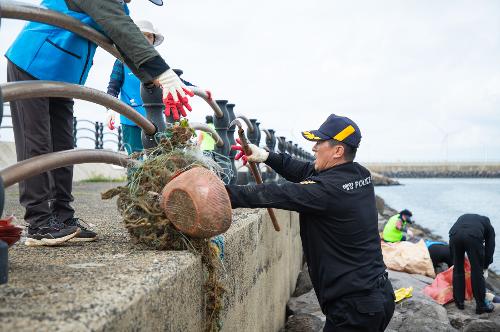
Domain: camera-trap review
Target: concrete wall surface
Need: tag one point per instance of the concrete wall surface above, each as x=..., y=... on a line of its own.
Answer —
x=114, y=285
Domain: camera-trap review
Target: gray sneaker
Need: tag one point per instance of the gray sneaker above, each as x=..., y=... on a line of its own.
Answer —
x=85, y=235
x=53, y=234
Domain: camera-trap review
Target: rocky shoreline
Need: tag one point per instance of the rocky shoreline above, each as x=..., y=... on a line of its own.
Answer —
x=418, y=313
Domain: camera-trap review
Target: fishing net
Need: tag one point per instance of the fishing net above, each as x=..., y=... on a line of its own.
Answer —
x=141, y=205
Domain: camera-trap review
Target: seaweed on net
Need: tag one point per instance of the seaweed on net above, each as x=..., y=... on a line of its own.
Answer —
x=139, y=205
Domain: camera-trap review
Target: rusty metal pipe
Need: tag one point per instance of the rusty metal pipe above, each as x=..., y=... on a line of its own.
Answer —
x=35, y=89
x=43, y=163
x=27, y=12
x=246, y=120
x=208, y=98
x=211, y=131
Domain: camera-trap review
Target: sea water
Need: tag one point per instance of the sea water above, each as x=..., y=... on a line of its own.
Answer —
x=436, y=203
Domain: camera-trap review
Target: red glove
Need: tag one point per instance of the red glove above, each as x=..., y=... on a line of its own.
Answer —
x=241, y=153
x=177, y=106
x=257, y=155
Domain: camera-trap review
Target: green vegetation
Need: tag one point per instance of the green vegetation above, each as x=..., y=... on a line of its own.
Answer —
x=101, y=178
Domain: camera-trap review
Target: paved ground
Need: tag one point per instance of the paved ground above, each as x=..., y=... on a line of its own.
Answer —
x=78, y=286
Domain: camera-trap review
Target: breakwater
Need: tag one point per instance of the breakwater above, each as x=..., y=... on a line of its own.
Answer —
x=436, y=170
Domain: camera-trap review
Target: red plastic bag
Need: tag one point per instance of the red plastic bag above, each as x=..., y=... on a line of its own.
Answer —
x=441, y=289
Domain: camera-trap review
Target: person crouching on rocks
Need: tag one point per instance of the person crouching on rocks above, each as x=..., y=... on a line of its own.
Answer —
x=396, y=228
x=467, y=236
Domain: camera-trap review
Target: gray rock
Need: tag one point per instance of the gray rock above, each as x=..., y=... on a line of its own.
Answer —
x=482, y=325
x=304, y=323
x=419, y=323
x=304, y=283
x=304, y=304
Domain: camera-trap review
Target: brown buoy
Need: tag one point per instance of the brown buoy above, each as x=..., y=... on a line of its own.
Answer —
x=197, y=203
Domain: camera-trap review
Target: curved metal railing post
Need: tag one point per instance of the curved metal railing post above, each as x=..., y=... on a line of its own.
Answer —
x=270, y=140
x=253, y=135
x=96, y=134
x=120, y=139
x=28, y=12
x=221, y=124
x=49, y=161
x=34, y=89
x=75, y=131
x=295, y=150
x=152, y=101
x=282, y=144
x=231, y=141
x=289, y=147
x=259, y=133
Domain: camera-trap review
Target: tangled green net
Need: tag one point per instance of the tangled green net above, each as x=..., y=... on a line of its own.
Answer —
x=139, y=205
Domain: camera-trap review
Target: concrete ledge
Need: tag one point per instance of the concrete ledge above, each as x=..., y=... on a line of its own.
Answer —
x=112, y=285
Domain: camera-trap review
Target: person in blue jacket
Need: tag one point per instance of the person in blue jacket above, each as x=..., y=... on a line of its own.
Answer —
x=125, y=84
x=43, y=125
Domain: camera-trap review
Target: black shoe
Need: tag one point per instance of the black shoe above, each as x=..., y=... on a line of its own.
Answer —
x=487, y=307
x=85, y=235
x=460, y=305
x=52, y=234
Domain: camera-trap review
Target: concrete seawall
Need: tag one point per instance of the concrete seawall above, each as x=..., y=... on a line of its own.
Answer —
x=113, y=285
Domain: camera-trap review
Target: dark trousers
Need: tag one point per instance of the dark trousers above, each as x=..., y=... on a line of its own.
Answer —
x=43, y=125
x=362, y=311
x=461, y=243
x=440, y=253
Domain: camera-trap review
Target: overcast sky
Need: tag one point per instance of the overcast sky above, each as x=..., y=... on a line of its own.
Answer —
x=421, y=78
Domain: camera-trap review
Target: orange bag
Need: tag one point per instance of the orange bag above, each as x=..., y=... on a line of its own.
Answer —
x=441, y=289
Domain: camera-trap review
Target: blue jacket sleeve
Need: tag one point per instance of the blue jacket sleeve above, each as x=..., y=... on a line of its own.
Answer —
x=116, y=79
x=291, y=169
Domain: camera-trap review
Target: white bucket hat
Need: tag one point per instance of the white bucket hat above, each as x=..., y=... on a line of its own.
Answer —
x=157, y=2
x=147, y=26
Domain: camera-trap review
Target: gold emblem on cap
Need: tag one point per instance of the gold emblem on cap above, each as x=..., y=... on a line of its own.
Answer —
x=346, y=132
x=310, y=135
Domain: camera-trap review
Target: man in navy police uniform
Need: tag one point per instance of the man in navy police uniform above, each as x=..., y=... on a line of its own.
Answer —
x=338, y=224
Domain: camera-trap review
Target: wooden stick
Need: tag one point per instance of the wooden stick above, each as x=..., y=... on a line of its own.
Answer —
x=255, y=172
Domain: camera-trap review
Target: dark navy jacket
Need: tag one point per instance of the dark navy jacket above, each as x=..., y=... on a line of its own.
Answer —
x=478, y=227
x=338, y=221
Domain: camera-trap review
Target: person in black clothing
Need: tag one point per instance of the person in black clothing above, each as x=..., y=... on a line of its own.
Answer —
x=440, y=253
x=338, y=224
x=467, y=236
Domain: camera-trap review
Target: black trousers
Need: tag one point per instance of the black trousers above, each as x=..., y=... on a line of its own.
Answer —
x=362, y=311
x=440, y=253
x=43, y=125
x=461, y=243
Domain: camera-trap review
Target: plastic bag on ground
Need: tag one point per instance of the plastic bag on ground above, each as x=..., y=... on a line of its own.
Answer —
x=408, y=257
x=441, y=290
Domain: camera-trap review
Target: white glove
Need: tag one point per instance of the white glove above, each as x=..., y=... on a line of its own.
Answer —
x=485, y=273
x=174, y=94
x=111, y=119
x=258, y=155
x=409, y=233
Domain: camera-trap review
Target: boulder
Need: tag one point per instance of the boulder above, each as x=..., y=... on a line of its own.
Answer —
x=482, y=325
x=303, y=323
x=304, y=304
x=304, y=284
